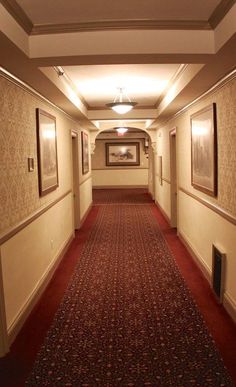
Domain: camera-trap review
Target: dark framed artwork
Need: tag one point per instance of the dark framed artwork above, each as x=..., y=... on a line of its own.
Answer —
x=122, y=154
x=85, y=153
x=204, y=150
x=47, y=152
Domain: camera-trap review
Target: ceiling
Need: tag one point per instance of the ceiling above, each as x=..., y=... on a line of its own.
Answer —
x=98, y=84
x=72, y=11
x=163, y=53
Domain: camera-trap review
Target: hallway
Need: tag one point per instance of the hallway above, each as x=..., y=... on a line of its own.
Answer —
x=127, y=317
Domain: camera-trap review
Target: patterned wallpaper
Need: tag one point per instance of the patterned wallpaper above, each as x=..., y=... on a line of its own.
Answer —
x=19, y=195
x=19, y=188
x=226, y=130
x=225, y=99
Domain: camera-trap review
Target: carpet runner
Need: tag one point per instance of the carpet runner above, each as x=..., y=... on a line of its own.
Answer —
x=127, y=317
x=121, y=196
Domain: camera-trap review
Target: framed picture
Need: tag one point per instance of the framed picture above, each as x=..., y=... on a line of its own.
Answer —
x=122, y=153
x=47, y=152
x=160, y=169
x=85, y=153
x=204, y=150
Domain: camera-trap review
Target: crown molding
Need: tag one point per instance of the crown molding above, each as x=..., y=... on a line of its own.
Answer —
x=73, y=87
x=220, y=11
x=18, y=14
x=102, y=25
x=181, y=69
x=30, y=90
x=217, y=86
x=43, y=29
x=222, y=82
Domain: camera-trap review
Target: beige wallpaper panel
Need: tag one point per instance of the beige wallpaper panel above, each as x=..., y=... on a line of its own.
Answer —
x=225, y=99
x=19, y=195
x=99, y=156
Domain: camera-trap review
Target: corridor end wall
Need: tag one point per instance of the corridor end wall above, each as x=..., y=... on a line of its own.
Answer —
x=104, y=176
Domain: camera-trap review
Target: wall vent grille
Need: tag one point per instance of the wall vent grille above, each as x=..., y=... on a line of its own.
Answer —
x=218, y=270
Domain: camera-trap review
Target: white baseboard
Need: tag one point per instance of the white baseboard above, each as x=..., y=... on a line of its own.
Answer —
x=230, y=306
x=163, y=212
x=196, y=257
x=228, y=302
x=85, y=215
x=36, y=294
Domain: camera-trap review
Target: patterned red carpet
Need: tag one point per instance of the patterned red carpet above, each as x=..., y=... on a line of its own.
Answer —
x=127, y=318
x=121, y=196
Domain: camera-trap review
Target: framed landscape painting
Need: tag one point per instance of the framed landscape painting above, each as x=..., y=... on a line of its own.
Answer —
x=47, y=152
x=85, y=153
x=204, y=150
x=122, y=154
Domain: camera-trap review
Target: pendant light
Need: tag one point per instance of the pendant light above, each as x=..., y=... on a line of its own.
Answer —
x=119, y=105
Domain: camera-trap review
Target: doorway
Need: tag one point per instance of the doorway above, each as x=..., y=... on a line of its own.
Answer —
x=75, y=171
x=173, y=178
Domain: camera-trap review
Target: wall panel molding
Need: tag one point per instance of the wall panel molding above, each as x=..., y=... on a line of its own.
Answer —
x=214, y=207
x=25, y=222
x=15, y=327
x=166, y=180
x=86, y=179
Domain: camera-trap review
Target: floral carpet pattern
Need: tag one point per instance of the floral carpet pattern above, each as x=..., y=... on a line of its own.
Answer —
x=127, y=317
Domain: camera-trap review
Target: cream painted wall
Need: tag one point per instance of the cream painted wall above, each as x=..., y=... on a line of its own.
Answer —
x=84, y=189
x=120, y=177
x=199, y=225
x=104, y=176
x=85, y=193
x=151, y=173
x=163, y=196
x=29, y=256
x=162, y=191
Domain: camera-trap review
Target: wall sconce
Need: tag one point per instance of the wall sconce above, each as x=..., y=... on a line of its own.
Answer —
x=146, y=145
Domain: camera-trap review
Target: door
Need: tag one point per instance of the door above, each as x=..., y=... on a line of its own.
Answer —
x=75, y=166
x=173, y=178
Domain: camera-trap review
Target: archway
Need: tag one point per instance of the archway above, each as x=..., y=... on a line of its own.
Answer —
x=134, y=168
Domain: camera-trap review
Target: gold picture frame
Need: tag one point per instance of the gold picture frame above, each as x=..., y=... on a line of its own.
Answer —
x=204, y=150
x=122, y=154
x=47, y=152
x=85, y=153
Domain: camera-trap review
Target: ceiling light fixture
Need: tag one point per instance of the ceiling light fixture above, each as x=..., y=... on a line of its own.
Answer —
x=121, y=130
x=59, y=70
x=119, y=105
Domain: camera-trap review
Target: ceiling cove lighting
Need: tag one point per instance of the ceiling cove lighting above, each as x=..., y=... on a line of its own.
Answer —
x=119, y=105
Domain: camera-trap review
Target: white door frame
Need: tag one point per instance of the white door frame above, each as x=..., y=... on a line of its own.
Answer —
x=4, y=342
x=75, y=176
x=173, y=178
